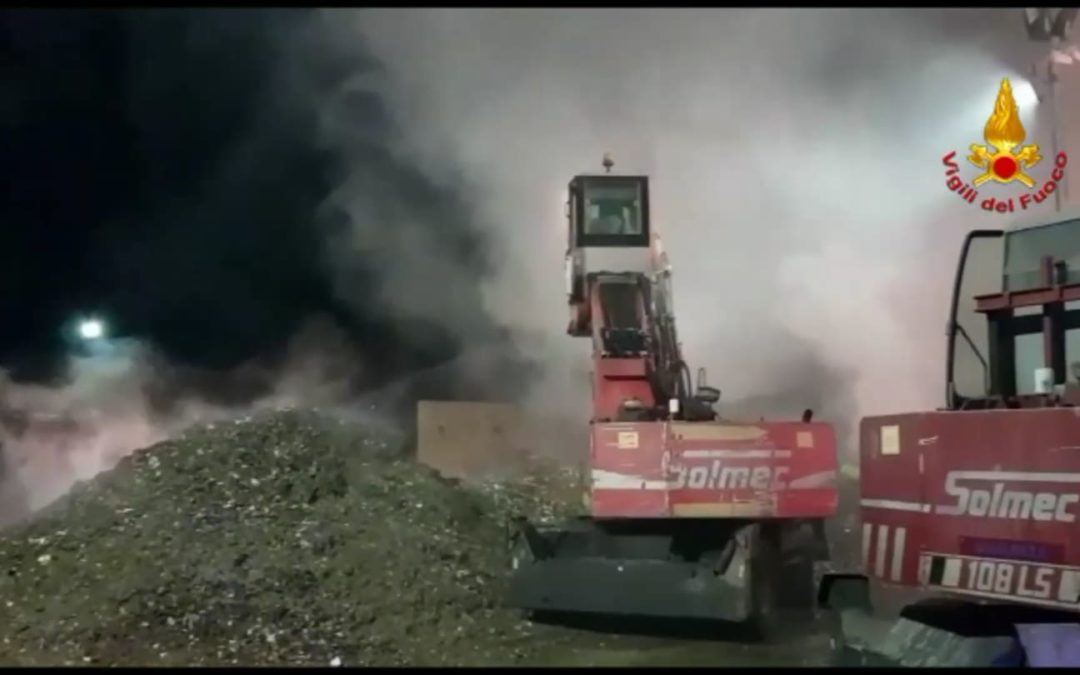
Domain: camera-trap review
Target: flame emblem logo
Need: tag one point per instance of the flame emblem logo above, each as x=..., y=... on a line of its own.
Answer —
x=1003, y=133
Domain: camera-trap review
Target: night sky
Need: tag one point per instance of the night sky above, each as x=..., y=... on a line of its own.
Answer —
x=155, y=176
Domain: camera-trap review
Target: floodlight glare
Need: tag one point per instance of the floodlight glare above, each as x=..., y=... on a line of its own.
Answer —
x=1025, y=95
x=91, y=329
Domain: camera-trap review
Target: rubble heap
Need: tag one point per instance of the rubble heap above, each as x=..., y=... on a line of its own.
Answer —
x=287, y=538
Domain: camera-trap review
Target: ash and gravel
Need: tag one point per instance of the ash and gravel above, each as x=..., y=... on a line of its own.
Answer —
x=289, y=538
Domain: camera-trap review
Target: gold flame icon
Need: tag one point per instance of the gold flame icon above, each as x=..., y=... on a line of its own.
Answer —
x=1003, y=132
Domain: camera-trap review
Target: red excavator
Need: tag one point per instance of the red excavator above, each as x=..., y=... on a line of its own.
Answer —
x=970, y=513
x=689, y=515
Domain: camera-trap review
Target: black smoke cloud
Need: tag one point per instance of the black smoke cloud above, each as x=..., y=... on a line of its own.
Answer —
x=216, y=186
x=171, y=171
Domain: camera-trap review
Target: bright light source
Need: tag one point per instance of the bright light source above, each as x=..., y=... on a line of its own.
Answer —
x=1025, y=95
x=91, y=329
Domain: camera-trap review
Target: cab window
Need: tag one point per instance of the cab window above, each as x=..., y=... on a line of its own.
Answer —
x=1025, y=249
x=613, y=210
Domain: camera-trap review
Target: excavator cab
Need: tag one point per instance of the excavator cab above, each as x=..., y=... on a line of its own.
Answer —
x=609, y=211
x=1015, y=319
x=608, y=239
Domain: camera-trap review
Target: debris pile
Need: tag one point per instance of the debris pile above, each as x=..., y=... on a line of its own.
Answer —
x=290, y=538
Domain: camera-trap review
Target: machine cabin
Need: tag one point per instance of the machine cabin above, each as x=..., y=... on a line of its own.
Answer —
x=609, y=212
x=608, y=256
x=1015, y=338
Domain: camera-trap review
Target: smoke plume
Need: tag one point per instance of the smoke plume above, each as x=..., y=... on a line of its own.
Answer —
x=402, y=173
x=131, y=397
x=795, y=166
x=183, y=174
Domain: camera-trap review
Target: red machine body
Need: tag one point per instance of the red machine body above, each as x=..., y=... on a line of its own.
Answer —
x=702, y=470
x=701, y=515
x=982, y=499
x=975, y=507
x=668, y=455
x=982, y=503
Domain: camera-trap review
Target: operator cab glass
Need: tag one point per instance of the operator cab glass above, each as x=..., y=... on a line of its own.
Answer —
x=609, y=211
x=612, y=209
x=1016, y=314
x=1025, y=249
x=1024, y=252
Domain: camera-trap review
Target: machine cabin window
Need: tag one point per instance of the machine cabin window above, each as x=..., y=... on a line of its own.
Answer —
x=1028, y=352
x=612, y=211
x=1013, y=341
x=1024, y=251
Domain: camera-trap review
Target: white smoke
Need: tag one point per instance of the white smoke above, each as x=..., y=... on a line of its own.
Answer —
x=797, y=182
x=128, y=397
x=795, y=159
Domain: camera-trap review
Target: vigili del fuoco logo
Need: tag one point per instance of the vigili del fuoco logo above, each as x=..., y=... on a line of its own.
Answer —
x=1004, y=160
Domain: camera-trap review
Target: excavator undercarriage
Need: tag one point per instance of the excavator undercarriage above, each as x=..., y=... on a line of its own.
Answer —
x=734, y=570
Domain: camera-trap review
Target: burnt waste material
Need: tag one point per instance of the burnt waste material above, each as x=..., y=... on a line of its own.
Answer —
x=289, y=538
